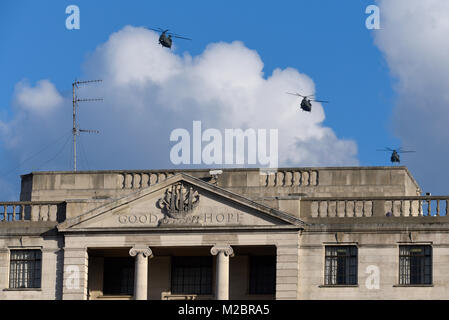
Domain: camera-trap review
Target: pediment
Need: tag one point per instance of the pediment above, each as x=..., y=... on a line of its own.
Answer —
x=181, y=201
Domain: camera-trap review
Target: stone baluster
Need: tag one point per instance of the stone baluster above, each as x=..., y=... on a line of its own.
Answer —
x=145, y=180
x=141, y=271
x=128, y=181
x=223, y=252
x=296, y=178
x=447, y=203
x=420, y=213
x=363, y=209
x=312, y=178
x=136, y=180
x=121, y=181
x=43, y=212
x=305, y=178
x=288, y=179
x=345, y=212
x=410, y=213
x=438, y=207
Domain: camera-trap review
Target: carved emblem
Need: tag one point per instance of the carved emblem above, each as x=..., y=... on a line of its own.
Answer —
x=178, y=201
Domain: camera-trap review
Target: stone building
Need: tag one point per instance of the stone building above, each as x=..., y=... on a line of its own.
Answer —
x=300, y=233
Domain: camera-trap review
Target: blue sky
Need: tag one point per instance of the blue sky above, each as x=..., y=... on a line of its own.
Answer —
x=326, y=39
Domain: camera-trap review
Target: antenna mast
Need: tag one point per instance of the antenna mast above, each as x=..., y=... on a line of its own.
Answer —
x=75, y=130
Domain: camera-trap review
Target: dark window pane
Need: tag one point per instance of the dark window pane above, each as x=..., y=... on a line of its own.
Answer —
x=262, y=275
x=415, y=264
x=340, y=265
x=25, y=269
x=191, y=275
x=118, y=276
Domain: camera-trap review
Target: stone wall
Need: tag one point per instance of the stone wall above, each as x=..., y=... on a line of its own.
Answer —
x=253, y=183
x=52, y=265
x=377, y=248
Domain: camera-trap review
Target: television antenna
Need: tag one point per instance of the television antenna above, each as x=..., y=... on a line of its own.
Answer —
x=75, y=130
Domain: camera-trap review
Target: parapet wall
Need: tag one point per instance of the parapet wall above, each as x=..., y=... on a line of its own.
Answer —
x=252, y=183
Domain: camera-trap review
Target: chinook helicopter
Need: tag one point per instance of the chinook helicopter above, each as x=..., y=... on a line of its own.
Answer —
x=165, y=39
x=395, y=154
x=306, y=103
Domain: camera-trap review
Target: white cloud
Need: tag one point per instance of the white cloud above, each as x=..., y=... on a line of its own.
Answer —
x=149, y=91
x=224, y=87
x=414, y=40
x=39, y=99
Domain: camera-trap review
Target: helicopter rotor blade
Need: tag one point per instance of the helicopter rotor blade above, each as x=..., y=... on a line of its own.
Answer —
x=179, y=37
x=386, y=149
x=156, y=29
x=176, y=35
x=300, y=95
x=405, y=151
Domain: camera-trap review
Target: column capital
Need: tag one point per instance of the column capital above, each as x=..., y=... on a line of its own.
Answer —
x=226, y=249
x=144, y=250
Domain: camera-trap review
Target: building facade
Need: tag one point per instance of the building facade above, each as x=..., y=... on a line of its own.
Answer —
x=297, y=233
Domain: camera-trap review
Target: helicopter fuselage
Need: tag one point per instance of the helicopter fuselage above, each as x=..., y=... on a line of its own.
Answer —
x=395, y=157
x=306, y=105
x=165, y=41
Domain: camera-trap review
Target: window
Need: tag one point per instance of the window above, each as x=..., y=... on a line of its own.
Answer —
x=118, y=276
x=25, y=269
x=262, y=275
x=191, y=275
x=415, y=265
x=341, y=265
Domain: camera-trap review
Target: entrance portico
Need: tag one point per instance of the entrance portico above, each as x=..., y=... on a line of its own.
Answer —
x=183, y=239
x=183, y=273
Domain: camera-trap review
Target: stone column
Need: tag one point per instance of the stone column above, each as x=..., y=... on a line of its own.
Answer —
x=222, y=266
x=141, y=271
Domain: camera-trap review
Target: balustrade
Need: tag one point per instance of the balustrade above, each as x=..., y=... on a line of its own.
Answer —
x=419, y=206
x=138, y=180
x=28, y=211
x=290, y=178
